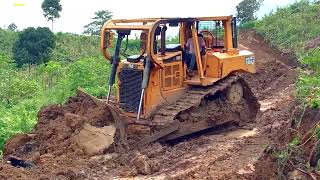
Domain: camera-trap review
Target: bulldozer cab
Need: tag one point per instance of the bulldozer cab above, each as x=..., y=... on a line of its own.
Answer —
x=155, y=71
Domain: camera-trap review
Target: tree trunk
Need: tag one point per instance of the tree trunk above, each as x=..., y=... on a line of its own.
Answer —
x=29, y=68
x=52, y=25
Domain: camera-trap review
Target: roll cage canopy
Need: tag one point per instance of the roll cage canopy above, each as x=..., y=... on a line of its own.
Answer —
x=150, y=26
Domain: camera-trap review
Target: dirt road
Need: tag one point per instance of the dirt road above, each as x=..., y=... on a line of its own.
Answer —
x=229, y=155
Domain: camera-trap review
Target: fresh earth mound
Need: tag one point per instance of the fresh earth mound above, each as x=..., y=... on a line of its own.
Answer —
x=236, y=154
x=58, y=127
x=73, y=130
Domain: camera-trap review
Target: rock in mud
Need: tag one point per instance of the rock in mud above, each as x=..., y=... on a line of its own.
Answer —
x=141, y=163
x=297, y=175
x=95, y=140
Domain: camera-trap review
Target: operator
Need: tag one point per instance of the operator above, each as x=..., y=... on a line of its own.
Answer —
x=191, y=60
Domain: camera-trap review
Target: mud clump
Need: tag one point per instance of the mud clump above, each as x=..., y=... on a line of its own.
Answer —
x=59, y=129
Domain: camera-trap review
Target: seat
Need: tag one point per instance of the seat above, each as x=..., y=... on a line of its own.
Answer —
x=134, y=58
x=173, y=47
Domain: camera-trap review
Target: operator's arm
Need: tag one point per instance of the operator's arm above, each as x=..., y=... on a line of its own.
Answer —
x=202, y=43
x=188, y=45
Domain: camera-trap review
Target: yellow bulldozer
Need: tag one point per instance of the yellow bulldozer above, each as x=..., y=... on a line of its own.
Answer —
x=154, y=89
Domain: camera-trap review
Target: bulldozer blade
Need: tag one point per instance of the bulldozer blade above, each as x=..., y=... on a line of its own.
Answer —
x=119, y=119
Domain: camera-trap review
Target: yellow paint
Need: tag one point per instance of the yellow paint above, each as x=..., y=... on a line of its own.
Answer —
x=168, y=80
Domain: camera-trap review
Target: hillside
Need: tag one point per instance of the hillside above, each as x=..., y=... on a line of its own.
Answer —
x=69, y=47
x=295, y=30
x=75, y=62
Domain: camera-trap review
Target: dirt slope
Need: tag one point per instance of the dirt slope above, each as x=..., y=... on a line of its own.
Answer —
x=229, y=155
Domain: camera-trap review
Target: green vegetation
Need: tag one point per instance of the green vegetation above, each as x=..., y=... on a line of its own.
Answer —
x=33, y=46
x=70, y=47
x=75, y=62
x=246, y=10
x=51, y=9
x=22, y=95
x=95, y=26
x=289, y=29
x=7, y=40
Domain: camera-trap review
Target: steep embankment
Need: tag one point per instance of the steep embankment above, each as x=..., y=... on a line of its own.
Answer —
x=231, y=154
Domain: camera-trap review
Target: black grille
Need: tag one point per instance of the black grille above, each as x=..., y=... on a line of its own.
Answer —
x=130, y=89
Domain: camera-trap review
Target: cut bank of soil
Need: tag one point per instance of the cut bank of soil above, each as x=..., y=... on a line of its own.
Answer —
x=228, y=155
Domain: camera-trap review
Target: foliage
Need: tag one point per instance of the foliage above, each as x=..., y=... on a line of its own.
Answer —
x=246, y=10
x=311, y=58
x=248, y=25
x=12, y=27
x=173, y=40
x=289, y=29
x=70, y=47
x=75, y=62
x=95, y=26
x=7, y=40
x=33, y=46
x=90, y=74
x=48, y=83
x=51, y=9
x=308, y=90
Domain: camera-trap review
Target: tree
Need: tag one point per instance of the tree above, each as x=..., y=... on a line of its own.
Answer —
x=12, y=27
x=51, y=9
x=33, y=46
x=246, y=10
x=100, y=18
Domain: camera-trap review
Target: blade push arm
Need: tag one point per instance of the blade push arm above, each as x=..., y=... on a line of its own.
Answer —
x=115, y=63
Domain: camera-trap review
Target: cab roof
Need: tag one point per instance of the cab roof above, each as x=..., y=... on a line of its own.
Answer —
x=148, y=23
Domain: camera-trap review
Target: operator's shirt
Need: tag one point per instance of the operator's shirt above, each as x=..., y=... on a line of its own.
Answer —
x=190, y=44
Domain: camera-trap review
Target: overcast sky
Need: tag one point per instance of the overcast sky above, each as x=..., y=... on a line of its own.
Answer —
x=77, y=13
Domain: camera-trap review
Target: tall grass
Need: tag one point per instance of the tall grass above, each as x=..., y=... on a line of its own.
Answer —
x=289, y=29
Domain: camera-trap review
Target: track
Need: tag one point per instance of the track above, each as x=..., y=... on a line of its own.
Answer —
x=231, y=154
x=182, y=117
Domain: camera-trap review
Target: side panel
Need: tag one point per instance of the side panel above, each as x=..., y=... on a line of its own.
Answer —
x=236, y=64
x=172, y=76
x=163, y=88
x=244, y=61
x=212, y=66
x=153, y=95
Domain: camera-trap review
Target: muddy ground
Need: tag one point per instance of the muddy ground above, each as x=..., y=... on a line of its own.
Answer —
x=233, y=154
